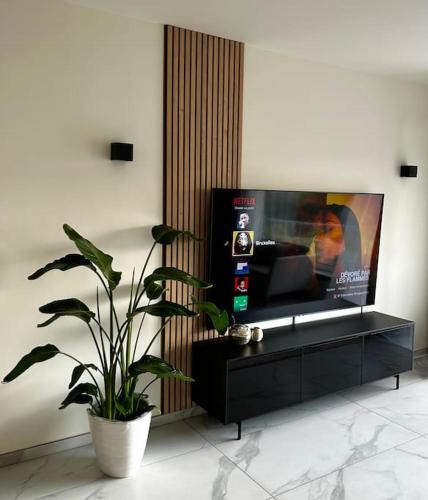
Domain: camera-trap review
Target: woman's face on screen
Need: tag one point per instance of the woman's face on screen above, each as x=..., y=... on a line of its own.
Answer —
x=242, y=239
x=329, y=240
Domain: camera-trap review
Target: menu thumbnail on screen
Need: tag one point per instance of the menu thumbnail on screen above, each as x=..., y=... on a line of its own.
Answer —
x=240, y=303
x=243, y=220
x=242, y=268
x=243, y=243
x=241, y=285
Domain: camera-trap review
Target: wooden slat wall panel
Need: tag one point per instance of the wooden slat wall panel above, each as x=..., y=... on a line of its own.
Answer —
x=202, y=141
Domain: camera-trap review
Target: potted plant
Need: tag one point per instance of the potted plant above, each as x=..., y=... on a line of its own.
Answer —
x=119, y=413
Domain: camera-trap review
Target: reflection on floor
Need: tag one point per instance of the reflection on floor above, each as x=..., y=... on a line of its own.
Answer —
x=368, y=442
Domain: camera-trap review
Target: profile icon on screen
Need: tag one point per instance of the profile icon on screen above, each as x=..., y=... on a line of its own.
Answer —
x=243, y=243
x=243, y=221
x=242, y=267
x=241, y=285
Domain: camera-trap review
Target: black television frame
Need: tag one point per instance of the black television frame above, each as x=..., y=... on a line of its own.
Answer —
x=289, y=310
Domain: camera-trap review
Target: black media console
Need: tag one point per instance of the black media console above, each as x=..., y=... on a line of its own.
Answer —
x=297, y=363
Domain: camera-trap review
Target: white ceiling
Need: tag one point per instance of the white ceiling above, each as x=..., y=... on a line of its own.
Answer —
x=388, y=37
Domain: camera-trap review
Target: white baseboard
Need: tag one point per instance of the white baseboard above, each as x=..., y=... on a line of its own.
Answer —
x=42, y=450
x=420, y=352
x=65, y=444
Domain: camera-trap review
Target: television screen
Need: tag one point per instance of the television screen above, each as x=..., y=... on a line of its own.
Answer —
x=283, y=253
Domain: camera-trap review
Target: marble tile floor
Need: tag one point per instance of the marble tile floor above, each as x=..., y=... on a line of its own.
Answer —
x=369, y=442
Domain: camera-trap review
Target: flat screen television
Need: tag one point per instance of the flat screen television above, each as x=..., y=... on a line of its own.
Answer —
x=278, y=254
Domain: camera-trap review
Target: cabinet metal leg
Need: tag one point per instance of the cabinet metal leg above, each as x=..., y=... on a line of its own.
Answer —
x=239, y=430
x=397, y=381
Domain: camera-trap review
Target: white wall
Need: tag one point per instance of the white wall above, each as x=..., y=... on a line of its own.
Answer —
x=74, y=79
x=314, y=127
x=71, y=81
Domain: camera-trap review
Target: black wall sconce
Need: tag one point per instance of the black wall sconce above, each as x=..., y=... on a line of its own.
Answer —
x=408, y=171
x=121, y=151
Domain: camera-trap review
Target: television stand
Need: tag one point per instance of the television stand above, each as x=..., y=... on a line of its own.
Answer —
x=296, y=363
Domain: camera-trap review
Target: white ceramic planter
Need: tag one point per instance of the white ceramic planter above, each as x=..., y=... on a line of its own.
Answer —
x=119, y=446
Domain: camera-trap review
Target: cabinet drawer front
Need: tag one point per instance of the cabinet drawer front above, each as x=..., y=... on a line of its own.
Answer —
x=331, y=367
x=265, y=387
x=263, y=359
x=388, y=353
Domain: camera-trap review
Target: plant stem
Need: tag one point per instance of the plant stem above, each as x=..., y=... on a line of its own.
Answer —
x=156, y=334
x=142, y=392
x=109, y=293
x=112, y=373
x=101, y=329
x=137, y=297
x=90, y=373
x=108, y=396
x=96, y=345
x=129, y=336
x=121, y=338
x=138, y=336
x=113, y=346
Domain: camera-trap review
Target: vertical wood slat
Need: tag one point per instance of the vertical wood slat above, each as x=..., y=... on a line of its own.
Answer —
x=180, y=203
x=191, y=186
x=240, y=112
x=203, y=171
x=202, y=150
x=230, y=114
x=167, y=254
x=174, y=201
x=198, y=71
x=225, y=111
x=186, y=202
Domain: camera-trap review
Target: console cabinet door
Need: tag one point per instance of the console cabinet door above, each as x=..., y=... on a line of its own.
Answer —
x=332, y=366
x=264, y=385
x=388, y=353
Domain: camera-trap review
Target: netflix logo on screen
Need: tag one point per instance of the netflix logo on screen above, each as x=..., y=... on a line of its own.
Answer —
x=244, y=201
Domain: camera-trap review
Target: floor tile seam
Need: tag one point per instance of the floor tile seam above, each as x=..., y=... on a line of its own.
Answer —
x=298, y=417
x=382, y=392
x=44, y=456
x=205, y=445
x=195, y=430
x=349, y=465
x=269, y=493
x=64, y=490
x=238, y=467
x=93, y=460
x=104, y=479
x=370, y=410
x=416, y=436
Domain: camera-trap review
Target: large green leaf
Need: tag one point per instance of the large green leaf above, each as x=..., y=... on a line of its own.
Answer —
x=78, y=372
x=65, y=263
x=37, y=355
x=81, y=394
x=219, y=319
x=165, y=235
x=124, y=405
x=102, y=260
x=79, y=399
x=163, y=309
x=154, y=290
x=171, y=273
x=66, y=307
x=156, y=366
x=144, y=405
